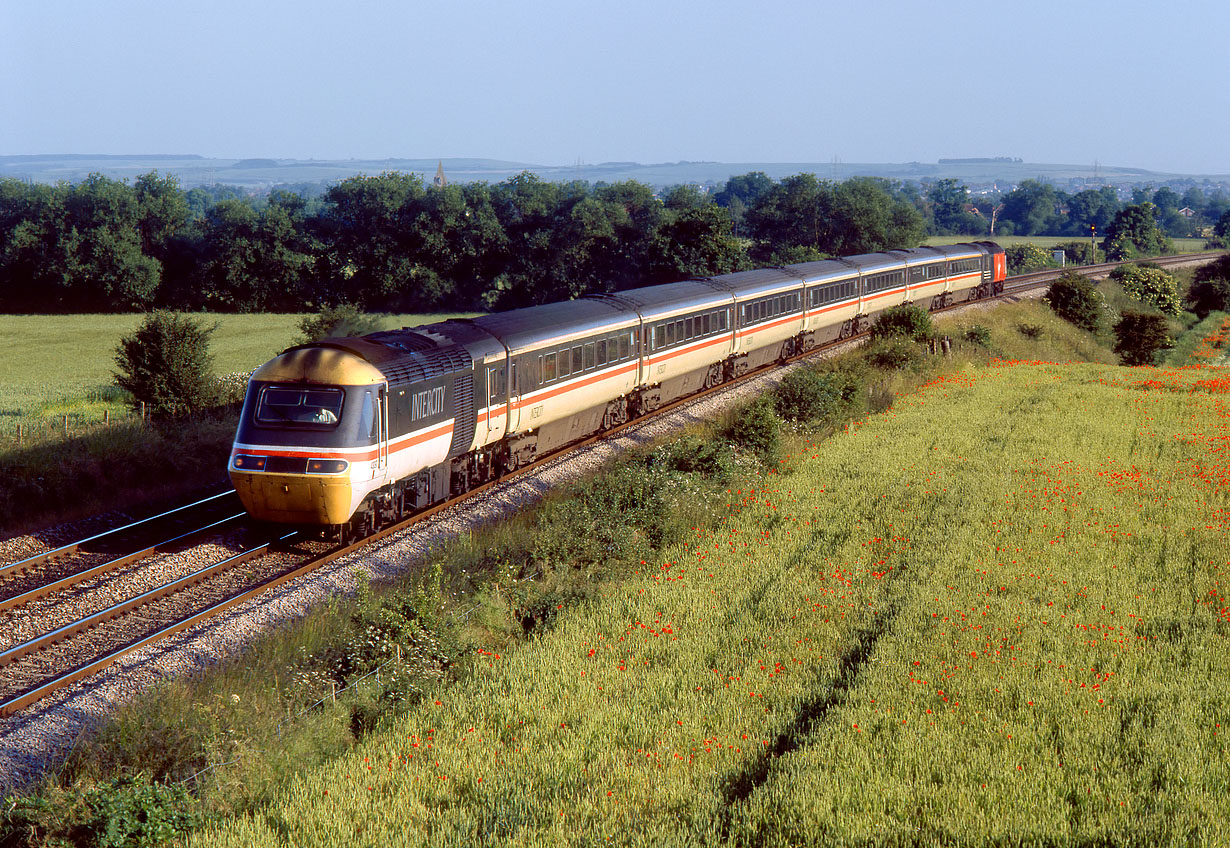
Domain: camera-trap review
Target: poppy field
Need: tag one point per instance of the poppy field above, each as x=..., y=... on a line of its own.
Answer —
x=996, y=614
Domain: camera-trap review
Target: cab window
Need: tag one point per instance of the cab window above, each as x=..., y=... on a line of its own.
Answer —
x=283, y=405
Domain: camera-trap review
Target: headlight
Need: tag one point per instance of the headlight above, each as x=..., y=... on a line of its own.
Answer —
x=327, y=466
x=250, y=463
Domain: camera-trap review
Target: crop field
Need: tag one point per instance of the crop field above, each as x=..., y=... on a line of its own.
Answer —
x=996, y=614
x=53, y=365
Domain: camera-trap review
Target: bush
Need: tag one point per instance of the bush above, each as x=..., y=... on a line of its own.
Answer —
x=806, y=395
x=166, y=364
x=1149, y=284
x=977, y=334
x=1140, y=337
x=1074, y=299
x=892, y=354
x=757, y=428
x=1029, y=331
x=124, y=812
x=335, y=322
x=1023, y=258
x=1210, y=292
x=908, y=321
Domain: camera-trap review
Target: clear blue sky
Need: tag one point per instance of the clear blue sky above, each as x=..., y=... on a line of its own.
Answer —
x=1127, y=83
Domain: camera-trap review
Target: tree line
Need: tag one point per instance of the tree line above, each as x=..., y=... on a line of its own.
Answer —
x=392, y=243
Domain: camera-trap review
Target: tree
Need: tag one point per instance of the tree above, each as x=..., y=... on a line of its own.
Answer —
x=949, y=198
x=255, y=261
x=162, y=210
x=1222, y=228
x=1074, y=299
x=166, y=364
x=695, y=243
x=1210, y=290
x=1140, y=337
x=745, y=187
x=364, y=230
x=1030, y=207
x=1134, y=232
x=868, y=218
x=1092, y=208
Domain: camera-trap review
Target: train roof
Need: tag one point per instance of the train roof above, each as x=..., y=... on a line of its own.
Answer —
x=869, y=263
x=822, y=269
x=538, y=326
x=656, y=301
x=754, y=283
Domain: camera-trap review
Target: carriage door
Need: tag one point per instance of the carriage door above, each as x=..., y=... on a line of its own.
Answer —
x=497, y=396
x=382, y=419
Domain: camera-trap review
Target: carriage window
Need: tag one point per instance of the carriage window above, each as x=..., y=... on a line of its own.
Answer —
x=687, y=328
x=723, y=316
x=564, y=361
x=577, y=360
x=589, y=356
x=601, y=357
x=299, y=406
x=659, y=337
x=625, y=345
x=548, y=368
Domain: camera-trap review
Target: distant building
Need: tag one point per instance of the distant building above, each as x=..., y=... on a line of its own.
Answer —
x=1187, y=212
x=440, y=181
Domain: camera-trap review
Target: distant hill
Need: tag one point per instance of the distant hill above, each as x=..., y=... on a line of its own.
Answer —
x=259, y=175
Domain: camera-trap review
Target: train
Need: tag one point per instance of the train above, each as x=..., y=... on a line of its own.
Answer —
x=348, y=434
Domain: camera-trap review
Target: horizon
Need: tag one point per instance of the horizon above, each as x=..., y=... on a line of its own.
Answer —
x=552, y=82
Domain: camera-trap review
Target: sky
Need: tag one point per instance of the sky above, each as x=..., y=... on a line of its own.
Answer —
x=551, y=82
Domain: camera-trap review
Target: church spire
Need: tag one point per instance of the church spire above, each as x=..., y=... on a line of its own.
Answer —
x=440, y=180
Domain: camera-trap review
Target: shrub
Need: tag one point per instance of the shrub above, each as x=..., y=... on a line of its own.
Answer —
x=1074, y=299
x=1210, y=292
x=756, y=428
x=1023, y=258
x=335, y=322
x=1149, y=284
x=909, y=321
x=124, y=812
x=1140, y=337
x=1029, y=331
x=806, y=395
x=166, y=364
x=977, y=334
x=691, y=454
x=892, y=354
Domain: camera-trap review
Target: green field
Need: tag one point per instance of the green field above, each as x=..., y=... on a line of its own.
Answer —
x=51, y=365
x=1182, y=245
x=995, y=615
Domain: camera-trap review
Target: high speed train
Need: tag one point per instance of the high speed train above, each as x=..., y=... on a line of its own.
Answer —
x=349, y=433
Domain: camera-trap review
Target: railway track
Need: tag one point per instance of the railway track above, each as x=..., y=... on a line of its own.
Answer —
x=57, y=656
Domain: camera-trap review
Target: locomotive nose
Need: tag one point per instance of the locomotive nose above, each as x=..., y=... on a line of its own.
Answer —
x=294, y=499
